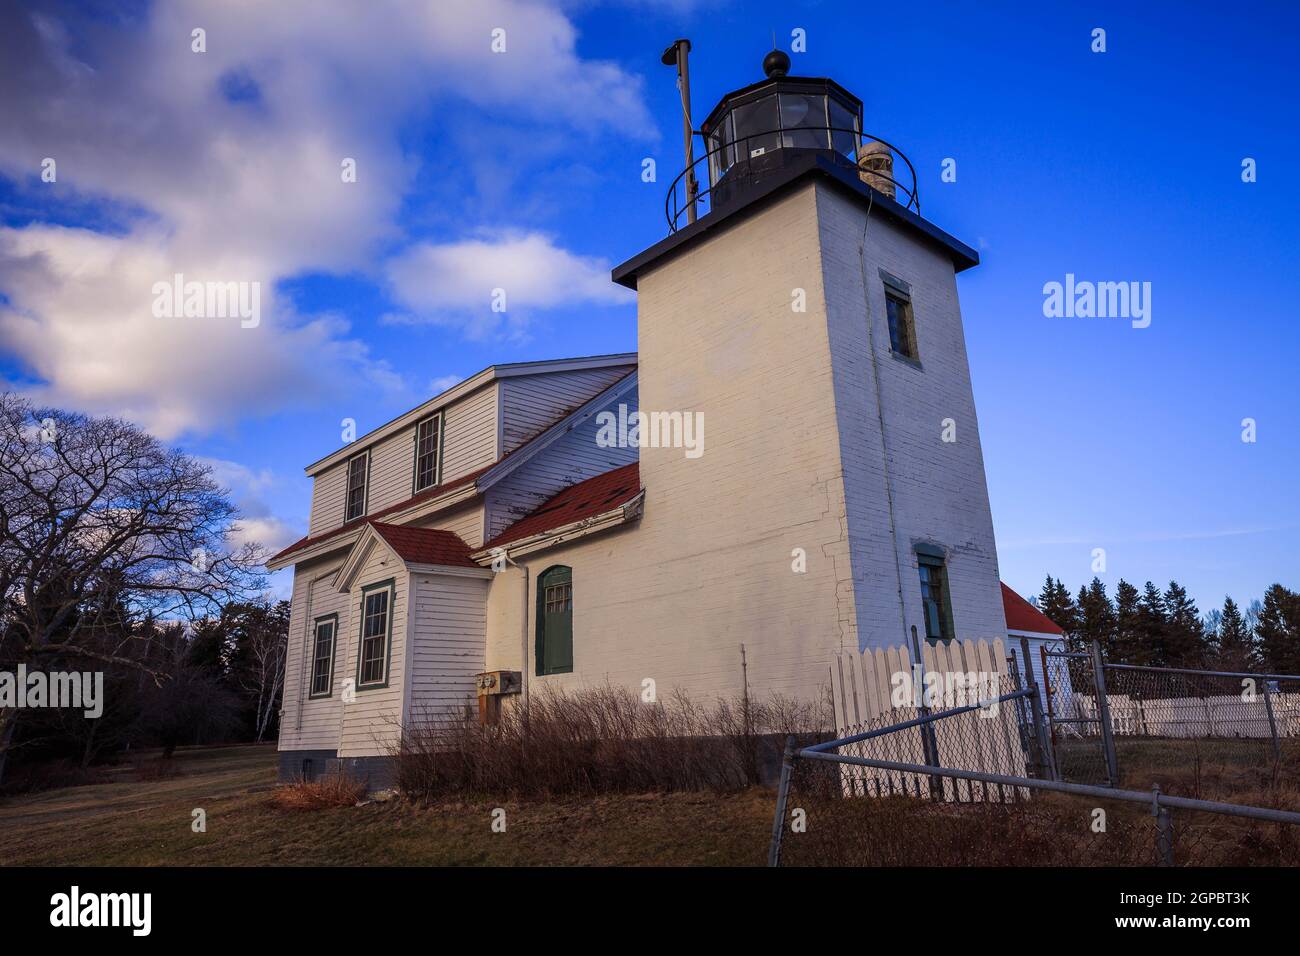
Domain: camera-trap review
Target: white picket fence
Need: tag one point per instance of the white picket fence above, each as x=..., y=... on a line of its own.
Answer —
x=986, y=740
x=1219, y=716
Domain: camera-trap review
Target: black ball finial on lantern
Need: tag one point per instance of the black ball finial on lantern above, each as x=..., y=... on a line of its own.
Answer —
x=776, y=64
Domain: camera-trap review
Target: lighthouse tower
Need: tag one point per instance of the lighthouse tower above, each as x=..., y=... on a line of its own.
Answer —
x=802, y=304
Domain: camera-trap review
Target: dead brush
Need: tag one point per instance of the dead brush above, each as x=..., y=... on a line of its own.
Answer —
x=600, y=740
x=335, y=790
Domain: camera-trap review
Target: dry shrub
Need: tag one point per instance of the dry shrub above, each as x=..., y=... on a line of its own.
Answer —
x=603, y=740
x=334, y=790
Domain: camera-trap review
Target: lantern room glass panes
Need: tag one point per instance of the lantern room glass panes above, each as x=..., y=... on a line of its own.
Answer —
x=803, y=121
x=721, y=153
x=756, y=126
x=790, y=116
x=844, y=129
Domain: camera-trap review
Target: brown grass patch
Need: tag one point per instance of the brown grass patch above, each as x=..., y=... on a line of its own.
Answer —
x=336, y=790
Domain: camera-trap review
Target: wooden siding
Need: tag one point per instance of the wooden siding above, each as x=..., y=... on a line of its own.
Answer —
x=571, y=459
x=328, y=491
x=370, y=724
x=469, y=442
x=466, y=522
x=532, y=403
x=449, y=627
x=308, y=724
x=470, y=434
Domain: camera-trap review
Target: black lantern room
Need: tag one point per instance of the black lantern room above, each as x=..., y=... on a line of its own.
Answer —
x=758, y=130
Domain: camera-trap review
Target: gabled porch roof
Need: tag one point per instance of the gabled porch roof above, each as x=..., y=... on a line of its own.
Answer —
x=428, y=548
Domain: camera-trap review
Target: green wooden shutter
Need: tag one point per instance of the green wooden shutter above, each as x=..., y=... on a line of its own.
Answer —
x=555, y=621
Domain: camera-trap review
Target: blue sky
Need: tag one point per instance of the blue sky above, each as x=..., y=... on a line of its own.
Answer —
x=1118, y=166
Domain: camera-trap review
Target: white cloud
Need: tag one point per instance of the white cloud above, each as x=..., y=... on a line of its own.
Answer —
x=79, y=313
x=444, y=382
x=268, y=531
x=232, y=475
x=455, y=283
x=243, y=188
x=247, y=488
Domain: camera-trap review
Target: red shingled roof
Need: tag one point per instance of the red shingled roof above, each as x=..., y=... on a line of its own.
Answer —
x=1023, y=616
x=584, y=500
x=426, y=545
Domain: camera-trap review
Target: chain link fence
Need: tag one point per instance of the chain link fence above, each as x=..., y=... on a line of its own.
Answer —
x=1074, y=724
x=958, y=787
x=825, y=827
x=1238, y=731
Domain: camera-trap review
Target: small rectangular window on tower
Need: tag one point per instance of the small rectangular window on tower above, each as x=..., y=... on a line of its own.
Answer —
x=934, y=596
x=898, y=314
x=902, y=335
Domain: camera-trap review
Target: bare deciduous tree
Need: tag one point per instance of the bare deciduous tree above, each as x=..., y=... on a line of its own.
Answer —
x=98, y=520
x=261, y=658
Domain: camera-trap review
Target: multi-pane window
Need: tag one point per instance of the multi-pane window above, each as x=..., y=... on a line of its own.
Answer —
x=356, y=505
x=374, y=637
x=426, y=452
x=902, y=330
x=934, y=598
x=322, y=660
x=555, y=621
x=558, y=598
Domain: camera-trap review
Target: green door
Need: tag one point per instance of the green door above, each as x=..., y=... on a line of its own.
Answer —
x=555, y=621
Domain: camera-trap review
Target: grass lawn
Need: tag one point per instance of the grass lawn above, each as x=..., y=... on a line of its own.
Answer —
x=148, y=823
x=138, y=822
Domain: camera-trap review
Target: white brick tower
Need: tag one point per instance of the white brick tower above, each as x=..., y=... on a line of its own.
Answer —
x=811, y=315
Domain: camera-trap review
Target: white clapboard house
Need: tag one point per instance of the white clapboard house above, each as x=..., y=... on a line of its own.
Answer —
x=829, y=493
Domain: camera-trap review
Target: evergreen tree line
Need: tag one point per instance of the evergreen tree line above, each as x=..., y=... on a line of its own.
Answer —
x=1165, y=629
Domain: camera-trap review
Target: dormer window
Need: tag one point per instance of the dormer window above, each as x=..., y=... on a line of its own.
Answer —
x=428, y=445
x=356, y=497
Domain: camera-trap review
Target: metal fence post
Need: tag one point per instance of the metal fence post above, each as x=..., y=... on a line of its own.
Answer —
x=782, y=795
x=1272, y=721
x=1043, y=765
x=1103, y=712
x=1164, y=830
x=929, y=742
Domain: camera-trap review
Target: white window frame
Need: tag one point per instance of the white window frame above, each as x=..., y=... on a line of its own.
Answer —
x=333, y=621
x=347, y=487
x=389, y=589
x=436, y=478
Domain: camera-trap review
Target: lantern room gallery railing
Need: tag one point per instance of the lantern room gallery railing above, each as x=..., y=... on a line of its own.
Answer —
x=719, y=167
